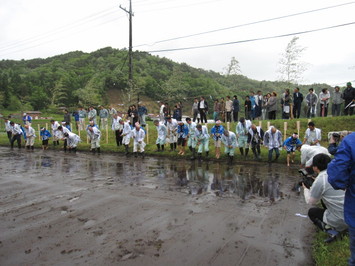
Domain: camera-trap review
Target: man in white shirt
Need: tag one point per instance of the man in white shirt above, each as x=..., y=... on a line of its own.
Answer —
x=8, y=129
x=126, y=135
x=30, y=136
x=313, y=135
x=16, y=134
x=138, y=136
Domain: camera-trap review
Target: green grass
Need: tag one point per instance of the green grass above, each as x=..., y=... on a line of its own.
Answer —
x=326, y=124
x=332, y=254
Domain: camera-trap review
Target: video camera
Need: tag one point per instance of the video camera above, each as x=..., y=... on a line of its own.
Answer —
x=336, y=137
x=307, y=180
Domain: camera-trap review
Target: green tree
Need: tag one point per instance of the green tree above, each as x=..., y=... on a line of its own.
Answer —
x=290, y=66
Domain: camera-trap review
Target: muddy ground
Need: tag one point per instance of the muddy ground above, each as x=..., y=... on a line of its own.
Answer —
x=80, y=209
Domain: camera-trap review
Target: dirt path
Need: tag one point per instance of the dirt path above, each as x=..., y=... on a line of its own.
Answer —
x=56, y=213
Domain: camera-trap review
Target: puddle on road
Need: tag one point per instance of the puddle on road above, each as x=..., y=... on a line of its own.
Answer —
x=243, y=179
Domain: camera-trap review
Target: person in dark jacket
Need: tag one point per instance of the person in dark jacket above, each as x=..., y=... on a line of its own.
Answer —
x=349, y=99
x=236, y=108
x=203, y=109
x=297, y=102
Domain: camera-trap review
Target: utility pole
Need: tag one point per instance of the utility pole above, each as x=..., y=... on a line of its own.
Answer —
x=130, y=53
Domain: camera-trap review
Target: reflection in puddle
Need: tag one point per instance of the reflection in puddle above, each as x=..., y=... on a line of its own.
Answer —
x=243, y=180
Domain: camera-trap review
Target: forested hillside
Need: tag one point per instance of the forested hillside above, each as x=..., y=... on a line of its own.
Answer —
x=78, y=78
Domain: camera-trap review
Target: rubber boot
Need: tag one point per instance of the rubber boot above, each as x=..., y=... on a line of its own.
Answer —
x=99, y=150
x=162, y=147
x=54, y=143
x=136, y=154
x=74, y=150
x=241, y=151
x=58, y=142
x=231, y=159
x=126, y=149
x=193, y=154
x=175, y=146
x=255, y=154
x=171, y=146
x=143, y=155
x=158, y=148
x=199, y=156
x=207, y=152
x=277, y=157
x=27, y=147
x=190, y=148
x=246, y=152
x=93, y=151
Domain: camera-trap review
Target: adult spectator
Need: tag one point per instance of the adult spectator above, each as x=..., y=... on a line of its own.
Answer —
x=258, y=105
x=161, y=112
x=324, y=98
x=27, y=119
x=272, y=106
x=286, y=104
x=349, y=99
x=67, y=117
x=203, y=109
x=312, y=135
x=92, y=114
x=222, y=110
x=112, y=111
x=195, y=110
x=236, y=108
x=142, y=113
x=228, y=109
x=247, y=108
x=82, y=116
x=216, y=110
x=252, y=99
x=297, y=102
x=331, y=216
x=103, y=114
x=311, y=100
x=337, y=101
x=341, y=175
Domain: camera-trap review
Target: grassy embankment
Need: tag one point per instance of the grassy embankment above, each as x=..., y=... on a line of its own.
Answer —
x=324, y=254
x=108, y=143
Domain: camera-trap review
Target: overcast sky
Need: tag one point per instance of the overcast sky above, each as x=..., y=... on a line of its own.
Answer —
x=44, y=28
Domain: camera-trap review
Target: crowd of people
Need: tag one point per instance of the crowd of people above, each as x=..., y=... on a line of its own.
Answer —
x=329, y=178
x=260, y=107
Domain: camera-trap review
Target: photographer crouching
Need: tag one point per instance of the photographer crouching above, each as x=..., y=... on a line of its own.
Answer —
x=335, y=138
x=330, y=218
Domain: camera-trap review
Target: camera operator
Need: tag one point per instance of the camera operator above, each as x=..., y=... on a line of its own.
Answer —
x=334, y=143
x=335, y=138
x=330, y=218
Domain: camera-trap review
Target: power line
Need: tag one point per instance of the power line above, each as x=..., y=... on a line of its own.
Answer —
x=55, y=39
x=95, y=16
x=251, y=40
x=247, y=24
